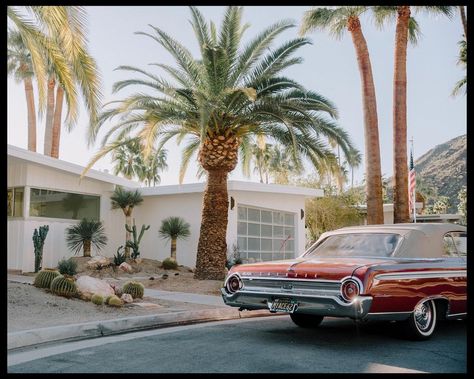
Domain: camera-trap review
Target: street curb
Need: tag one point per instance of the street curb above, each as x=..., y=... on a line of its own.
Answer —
x=93, y=329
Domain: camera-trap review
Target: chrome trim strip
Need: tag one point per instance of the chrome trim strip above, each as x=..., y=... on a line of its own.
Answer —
x=456, y=315
x=420, y=275
x=282, y=278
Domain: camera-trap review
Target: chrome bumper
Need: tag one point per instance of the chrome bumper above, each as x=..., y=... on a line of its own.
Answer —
x=310, y=304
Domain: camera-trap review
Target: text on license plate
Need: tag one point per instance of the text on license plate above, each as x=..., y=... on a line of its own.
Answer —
x=283, y=305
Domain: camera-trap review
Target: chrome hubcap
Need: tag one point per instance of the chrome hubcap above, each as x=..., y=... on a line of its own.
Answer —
x=423, y=316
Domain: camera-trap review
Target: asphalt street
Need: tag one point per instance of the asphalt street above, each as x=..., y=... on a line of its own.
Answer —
x=269, y=345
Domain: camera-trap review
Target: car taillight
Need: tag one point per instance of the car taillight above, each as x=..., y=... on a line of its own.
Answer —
x=350, y=289
x=234, y=283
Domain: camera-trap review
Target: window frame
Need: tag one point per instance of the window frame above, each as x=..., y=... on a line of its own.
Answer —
x=457, y=254
x=59, y=219
x=14, y=188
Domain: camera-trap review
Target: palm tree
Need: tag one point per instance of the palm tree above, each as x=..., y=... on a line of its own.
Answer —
x=259, y=156
x=282, y=165
x=84, y=234
x=463, y=20
x=174, y=228
x=126, y=201
x=19, y=64
x=127, y=159
x=462, y=61
x=406, y=28
x=60, y=54
x=336, y=21
x=218, y=103
x=152, y=166
x=354, y=160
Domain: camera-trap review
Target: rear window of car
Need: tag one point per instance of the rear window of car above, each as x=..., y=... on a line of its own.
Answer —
x=356, y=245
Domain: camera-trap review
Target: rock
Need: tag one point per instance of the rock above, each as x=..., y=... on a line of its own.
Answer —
x=124, y=266
x=176, y=273
x=138, y=260
x=126, y=298
x=151, y=278
x=87, y=286
x=98, y=262
x=164, y=276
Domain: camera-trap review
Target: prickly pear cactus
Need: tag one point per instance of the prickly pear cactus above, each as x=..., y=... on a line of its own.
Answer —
x=44, y=278
x=136, y=289
x=114, y=301
x=63, y=285
x=97, y=299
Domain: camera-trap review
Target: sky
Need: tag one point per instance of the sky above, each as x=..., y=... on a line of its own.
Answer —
x=329, y=67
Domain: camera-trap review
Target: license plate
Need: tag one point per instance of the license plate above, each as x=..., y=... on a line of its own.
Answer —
x=283, y=305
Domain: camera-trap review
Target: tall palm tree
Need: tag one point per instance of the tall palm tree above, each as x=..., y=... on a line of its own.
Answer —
x=127, y=159
x=463, y=20
x=19, y=64
x=406, y=28
x=336, y=21
x=282, y=165
x=152, y=166
x=218, y=103
x=354, y=160
x=259, y=155
x=174, y=228
x=126, y=201
x=462, y=61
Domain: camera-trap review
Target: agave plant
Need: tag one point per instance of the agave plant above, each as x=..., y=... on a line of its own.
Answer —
x=85, y=234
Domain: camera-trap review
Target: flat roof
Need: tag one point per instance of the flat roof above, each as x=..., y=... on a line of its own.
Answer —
x=232, y=185
x=44, y=160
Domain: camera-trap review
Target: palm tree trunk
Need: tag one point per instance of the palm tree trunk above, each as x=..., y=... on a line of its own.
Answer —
x=173, y=249
x=400, y=164
x=87, y=248
x=372, y=147
x=57, y=122
x=48, y=131
x=128, y=218
x=30, y=103
x=464, y=21
x=212, y=245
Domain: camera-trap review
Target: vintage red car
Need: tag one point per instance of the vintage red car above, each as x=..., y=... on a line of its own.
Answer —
x=412, y=273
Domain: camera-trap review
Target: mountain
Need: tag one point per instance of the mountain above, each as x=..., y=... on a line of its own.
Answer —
x=444, y=168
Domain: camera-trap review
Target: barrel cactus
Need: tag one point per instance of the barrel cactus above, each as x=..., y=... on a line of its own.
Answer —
x=106, y=300
x=63, y=286
x=44, y=278
x=114, y=301
x=97, y=299
x=136, y=289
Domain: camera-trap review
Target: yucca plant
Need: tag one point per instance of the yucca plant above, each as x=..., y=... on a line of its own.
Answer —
x=85, y=234
x=174, y=228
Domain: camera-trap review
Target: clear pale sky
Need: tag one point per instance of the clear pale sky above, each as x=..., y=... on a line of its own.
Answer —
x=329, y=67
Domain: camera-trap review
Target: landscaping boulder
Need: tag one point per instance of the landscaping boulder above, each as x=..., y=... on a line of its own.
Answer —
x=87, y=286
x=127, y=298
x=98, y=262
x=126, y=267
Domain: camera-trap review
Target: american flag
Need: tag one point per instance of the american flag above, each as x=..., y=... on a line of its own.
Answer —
x=412, y=181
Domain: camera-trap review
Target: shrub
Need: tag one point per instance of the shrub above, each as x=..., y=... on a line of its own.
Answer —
x=85, y=234
x=67, y=267
x=170, y=264
x=136, y=289
x=114, y=301
x=120, y=257
x=63, y=286
x=44, y=278
x=97, y=299
x=234, y=258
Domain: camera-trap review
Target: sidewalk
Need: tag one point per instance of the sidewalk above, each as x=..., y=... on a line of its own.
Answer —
x=217, y=311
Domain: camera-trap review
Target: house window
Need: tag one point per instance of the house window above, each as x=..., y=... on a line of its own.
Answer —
x=15, y=201
x=67, y=205
x=264, y=234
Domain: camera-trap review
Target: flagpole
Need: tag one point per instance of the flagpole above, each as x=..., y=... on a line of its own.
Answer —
x=414, y=189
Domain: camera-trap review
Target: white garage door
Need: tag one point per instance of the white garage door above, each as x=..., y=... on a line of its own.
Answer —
x=265, y=234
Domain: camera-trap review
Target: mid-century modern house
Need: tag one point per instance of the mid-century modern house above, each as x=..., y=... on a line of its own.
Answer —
x=266, y=221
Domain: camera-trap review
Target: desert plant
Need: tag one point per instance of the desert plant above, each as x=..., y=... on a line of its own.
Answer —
x=120, y=257
x=84, y=234
x=126, y=201
x=136, y=289
x=170, y=264
x=234, y=258
x=114, y=301
x=173, y=228
x=135, y=244
x=97, y=299
x=44, y=278
x=107, y=299
x=38, y=242
x=67, y=267
x=63, y=285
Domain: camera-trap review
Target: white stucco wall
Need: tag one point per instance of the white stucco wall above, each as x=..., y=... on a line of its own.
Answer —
x=20, y=230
